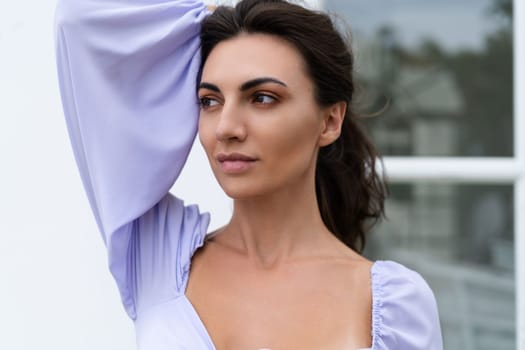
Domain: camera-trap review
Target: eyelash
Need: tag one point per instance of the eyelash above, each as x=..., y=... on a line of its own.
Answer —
x=204, y=102
x=260, y=94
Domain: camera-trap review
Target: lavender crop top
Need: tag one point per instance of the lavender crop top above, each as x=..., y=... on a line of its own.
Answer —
x=127, y=71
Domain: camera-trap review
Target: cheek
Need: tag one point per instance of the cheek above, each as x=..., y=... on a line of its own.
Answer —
x=294, y=142
x=206, y=134
x=207, y=138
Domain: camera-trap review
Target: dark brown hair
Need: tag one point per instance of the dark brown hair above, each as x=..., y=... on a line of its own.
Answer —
x=350, y=192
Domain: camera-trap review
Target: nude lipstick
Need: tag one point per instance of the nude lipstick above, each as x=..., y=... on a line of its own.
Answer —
x=234, y=163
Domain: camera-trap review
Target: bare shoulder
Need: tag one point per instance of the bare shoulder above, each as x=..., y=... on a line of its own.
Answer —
x=351, y=260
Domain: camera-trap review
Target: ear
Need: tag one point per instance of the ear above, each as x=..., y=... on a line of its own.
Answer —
x=333, y=117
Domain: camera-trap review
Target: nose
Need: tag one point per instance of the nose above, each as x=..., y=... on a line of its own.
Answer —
x=230, y=126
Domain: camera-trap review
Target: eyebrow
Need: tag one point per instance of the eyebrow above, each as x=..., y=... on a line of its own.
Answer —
x=250, y=84
x=259, y=81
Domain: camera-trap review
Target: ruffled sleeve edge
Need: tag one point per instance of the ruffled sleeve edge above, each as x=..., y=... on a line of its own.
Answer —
x=377, y=304
x=385, y=334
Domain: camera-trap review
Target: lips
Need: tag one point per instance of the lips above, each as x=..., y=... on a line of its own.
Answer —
x=235, y=163
x=223, y=157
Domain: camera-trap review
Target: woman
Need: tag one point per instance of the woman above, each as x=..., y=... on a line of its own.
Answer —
x=273, y=108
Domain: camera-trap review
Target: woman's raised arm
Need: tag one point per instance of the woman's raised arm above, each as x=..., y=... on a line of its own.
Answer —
x=127, y=71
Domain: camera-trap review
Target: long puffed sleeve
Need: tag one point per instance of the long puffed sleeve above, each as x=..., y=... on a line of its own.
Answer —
x=127, y=72
x=405, y=314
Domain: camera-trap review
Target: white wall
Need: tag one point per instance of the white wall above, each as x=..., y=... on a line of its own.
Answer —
x=55, y=289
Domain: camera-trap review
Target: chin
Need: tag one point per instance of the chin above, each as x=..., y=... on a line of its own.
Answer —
x=239, y=188
x=242, y=192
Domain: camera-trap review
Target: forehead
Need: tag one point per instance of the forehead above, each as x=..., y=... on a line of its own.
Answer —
x=249, y=56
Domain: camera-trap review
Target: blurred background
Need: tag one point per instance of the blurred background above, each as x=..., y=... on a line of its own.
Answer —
x=442, y=72
x=445, y=74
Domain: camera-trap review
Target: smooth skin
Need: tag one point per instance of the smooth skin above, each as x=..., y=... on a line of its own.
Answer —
x=274, y=277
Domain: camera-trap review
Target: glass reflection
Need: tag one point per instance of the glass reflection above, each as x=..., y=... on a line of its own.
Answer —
x=460, y=238
x=442, y=69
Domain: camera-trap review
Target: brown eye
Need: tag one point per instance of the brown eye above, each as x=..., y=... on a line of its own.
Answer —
x=264, y=99
x=207, y=102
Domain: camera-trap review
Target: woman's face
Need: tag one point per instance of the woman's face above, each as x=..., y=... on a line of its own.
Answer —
x=259, y=122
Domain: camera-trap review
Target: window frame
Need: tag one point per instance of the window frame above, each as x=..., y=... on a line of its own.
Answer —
x=504, y=170
x=519, y=157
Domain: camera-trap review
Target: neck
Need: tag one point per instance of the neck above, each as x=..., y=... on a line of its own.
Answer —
x=278, y=226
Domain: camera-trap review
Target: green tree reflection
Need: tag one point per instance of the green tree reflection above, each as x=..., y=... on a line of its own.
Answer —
x=463, y=98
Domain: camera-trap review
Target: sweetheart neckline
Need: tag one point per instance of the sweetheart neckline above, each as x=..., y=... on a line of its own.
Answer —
x=199, y=323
